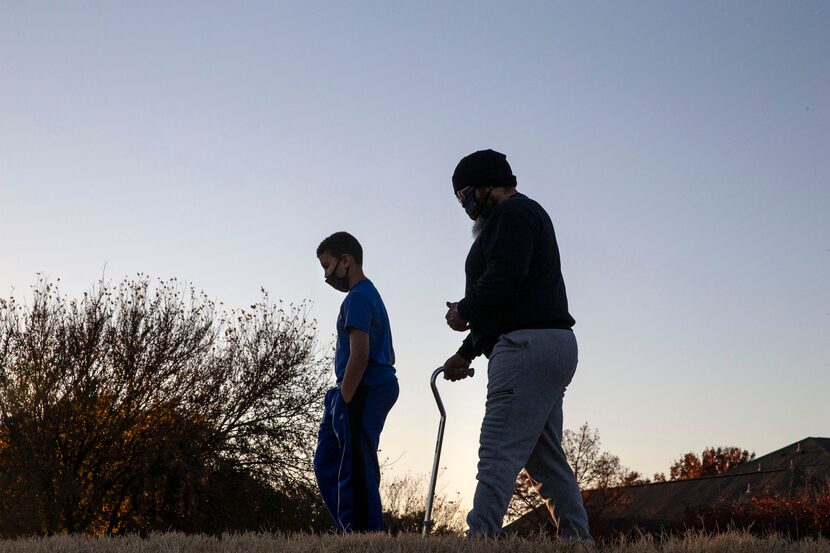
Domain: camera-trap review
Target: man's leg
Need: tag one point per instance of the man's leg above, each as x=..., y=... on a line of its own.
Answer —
x=522, y=389
x=555, y=481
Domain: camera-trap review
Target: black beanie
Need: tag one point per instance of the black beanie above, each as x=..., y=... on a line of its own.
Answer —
x=483, y=168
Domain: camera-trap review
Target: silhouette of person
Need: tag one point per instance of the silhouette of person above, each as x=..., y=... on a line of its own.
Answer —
x=516, y=311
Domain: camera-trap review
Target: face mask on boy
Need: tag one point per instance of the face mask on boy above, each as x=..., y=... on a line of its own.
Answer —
x=341, y=284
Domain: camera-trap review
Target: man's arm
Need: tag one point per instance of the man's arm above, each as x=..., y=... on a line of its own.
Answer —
x=508, y=255
x=455, y=368
x=467, y=349
x=356, y=366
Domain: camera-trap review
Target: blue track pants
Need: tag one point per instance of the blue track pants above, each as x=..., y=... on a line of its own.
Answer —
x=346, y=460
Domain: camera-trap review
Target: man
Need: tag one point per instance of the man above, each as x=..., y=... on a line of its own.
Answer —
x=516, y=310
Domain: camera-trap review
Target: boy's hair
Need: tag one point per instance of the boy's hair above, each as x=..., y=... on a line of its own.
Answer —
x=341, y=243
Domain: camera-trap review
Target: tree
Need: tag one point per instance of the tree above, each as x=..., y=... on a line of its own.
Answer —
x=713, y=461
x=117, y=410
x=688, y=466
x=594, y=469
x=526, y=501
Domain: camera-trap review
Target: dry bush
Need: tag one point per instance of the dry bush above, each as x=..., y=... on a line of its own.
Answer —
x=806, y=514
x=404, y=504
x=125, y=409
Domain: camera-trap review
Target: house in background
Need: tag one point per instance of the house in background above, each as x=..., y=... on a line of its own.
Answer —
x=801, y=467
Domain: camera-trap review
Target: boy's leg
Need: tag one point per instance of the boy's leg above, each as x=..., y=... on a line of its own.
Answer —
x=525, y=380
x=327, y=457
x=367, y=415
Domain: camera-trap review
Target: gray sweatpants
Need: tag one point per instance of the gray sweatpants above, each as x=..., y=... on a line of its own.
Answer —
x=526, y=380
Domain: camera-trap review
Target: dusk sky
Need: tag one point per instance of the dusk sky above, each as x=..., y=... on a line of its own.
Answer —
x=682, y=150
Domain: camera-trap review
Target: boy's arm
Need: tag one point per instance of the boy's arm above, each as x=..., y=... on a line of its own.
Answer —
x=356, y=366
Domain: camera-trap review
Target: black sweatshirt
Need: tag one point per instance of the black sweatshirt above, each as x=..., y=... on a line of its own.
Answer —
x=514, y=278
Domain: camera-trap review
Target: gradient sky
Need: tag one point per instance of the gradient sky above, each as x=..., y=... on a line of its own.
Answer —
x=682, y=150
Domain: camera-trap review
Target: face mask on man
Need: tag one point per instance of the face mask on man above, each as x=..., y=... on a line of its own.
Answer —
x=341, y=284
x=476, y=208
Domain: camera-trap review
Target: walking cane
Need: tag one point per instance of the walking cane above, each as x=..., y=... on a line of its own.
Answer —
x=441, y=424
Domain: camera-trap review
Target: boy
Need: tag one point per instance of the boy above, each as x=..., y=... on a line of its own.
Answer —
x=346, y=461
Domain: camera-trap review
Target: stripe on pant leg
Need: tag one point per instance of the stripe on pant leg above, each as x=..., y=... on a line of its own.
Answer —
x=360, y=496
x=342, y=458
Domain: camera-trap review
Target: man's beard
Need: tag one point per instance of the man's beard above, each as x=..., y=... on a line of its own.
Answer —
x=488, y=203
x=478, y=225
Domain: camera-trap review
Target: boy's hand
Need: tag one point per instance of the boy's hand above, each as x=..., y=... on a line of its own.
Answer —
x=455, y=368
x=454, y=320
x=346, y=395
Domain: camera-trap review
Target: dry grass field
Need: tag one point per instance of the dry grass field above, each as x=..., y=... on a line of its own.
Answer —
x=411, y=543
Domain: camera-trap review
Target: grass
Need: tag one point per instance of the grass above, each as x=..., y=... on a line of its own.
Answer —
x=410, y=543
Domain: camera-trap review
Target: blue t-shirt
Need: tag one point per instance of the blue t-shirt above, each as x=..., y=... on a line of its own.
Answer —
x=363, y=309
